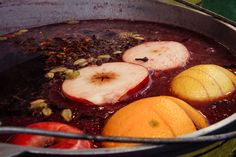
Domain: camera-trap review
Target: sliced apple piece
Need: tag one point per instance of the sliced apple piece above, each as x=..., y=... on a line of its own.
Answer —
x=158, y=55
x=107, y=83
x=51, y=142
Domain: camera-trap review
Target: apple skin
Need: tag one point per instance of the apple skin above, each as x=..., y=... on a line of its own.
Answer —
x=51, y=142
x=137, y=88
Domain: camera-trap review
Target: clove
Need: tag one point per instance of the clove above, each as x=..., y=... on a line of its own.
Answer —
x=144, y=59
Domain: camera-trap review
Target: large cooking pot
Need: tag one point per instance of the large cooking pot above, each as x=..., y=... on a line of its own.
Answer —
x=27, y=14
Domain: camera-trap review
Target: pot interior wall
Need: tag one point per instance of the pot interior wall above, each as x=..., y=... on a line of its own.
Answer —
x=26, y=13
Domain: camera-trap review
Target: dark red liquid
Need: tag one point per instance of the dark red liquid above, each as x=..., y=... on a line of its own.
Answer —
x=26, y=82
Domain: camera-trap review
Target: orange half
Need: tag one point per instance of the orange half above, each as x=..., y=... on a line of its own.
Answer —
x=153, y=117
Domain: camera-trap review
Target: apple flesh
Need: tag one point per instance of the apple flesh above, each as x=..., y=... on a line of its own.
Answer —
x=158, y=55
x=51, y=142
x=106, y=84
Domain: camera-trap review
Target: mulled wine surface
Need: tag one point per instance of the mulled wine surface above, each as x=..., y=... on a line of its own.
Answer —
x=98, y=41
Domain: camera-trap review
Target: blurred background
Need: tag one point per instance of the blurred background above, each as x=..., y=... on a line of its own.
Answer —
x=226, y=8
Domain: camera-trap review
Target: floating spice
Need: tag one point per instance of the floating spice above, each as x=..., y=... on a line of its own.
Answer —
x=46, y=111
x=144, y=59
x=98, y=62
x=84, y=64
x=117, y=52
x=138, y=37
x=81, y=62
x=91, y=60
x=58, y=69
x=39, y=103
x=68, y=71
x=67, y=114
x=49, y=75
x=105, y=56
x=71, y=74
x=131, y=35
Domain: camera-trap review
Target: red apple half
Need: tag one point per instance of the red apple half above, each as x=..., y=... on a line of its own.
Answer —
x=107, y=83
x=158, y=55
x=51, y=142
